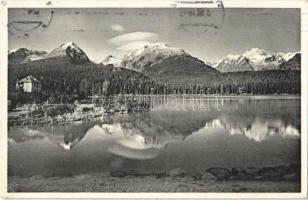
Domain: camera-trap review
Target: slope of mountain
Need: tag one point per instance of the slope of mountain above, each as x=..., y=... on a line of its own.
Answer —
x=158, y=58
x=148, y=55
x=23, y=55
x=258, y=60
x=209, y=63
x=67, y=52
x=169, y=65
x=111, y=60
x=294, y=63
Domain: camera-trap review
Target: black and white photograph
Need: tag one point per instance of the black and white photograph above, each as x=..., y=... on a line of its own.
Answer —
x=154, y=100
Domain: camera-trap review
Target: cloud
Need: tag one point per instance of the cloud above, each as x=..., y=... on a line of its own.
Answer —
x=117, y=28
x=132, y=37
x=133, y=45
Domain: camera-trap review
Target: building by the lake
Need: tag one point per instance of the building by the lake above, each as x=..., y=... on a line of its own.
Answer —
x=28, y=84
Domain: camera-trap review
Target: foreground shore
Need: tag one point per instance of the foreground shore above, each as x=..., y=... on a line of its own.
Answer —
x=102, y=182
x=215, y=179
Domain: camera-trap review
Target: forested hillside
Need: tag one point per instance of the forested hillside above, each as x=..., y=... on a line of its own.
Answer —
x=93, y=79
x=82, y=80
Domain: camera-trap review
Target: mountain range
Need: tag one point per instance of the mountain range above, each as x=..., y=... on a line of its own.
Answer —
x=259, y=60
x=23, y=55
x=158, y=59
x=66, y=52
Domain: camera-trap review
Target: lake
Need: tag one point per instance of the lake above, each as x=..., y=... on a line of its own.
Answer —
x=189, y=132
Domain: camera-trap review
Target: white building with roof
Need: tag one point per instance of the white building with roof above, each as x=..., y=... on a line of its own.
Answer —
x=28, y=84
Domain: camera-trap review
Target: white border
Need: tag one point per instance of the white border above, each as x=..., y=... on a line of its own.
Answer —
x=4, y=5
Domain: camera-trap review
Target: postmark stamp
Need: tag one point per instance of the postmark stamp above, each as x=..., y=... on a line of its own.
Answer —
x=35, y=20
x=202, y=20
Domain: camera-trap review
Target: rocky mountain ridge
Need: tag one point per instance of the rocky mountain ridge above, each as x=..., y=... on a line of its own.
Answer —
x=159, y=59
x=259, y=60
x=66, y=50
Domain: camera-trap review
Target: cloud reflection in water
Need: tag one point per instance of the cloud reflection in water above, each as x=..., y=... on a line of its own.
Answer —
x=129, y=143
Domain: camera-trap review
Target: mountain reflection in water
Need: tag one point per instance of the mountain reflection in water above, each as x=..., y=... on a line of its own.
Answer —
x=142, y=140
x=65, y=136
x=252, y=133
x=259, y=130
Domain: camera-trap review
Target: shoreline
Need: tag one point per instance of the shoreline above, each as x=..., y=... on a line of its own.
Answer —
x=280, y=178
x=40, y=114
x=101, y=182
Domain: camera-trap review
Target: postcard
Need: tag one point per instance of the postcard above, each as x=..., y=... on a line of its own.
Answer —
x=154, y=99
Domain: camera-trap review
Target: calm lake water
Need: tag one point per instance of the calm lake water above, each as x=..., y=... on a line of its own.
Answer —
x=194, y=135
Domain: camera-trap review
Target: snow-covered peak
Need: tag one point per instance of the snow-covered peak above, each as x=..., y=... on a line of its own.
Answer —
x=163, y=46
x=158, y=47
x=68, y=49
x=26, y=51
x=233, y=63
x=256, y=54
x=255, y=59
x=61, y=50
x=160, y=58
x=69, y=44
x=23, y=55
x=149, y=54
x=71, y=50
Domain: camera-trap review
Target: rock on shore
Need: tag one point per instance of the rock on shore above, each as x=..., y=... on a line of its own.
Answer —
x=276, y=173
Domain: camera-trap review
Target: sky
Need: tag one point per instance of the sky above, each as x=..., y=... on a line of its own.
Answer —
x=209, y=34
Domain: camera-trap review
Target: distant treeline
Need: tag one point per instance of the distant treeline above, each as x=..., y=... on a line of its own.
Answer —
x=256, y=82
x=92, y=79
